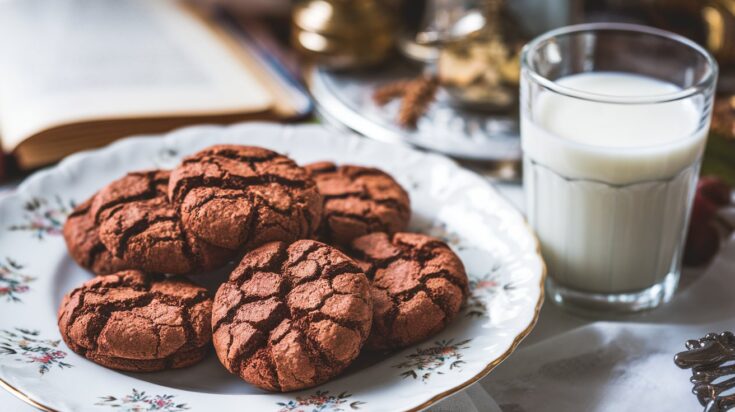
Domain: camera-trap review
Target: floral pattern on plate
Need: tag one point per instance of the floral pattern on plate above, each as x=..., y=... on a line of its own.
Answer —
x=444, y=355
x=447, y=201
x=43, y=217
x=25, y=345
x=440, y=231
x=139, y=401
x=483, y=288
x=12, y=281
x=320, y=401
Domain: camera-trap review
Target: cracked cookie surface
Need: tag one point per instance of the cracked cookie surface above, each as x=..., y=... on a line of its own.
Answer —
x=133, y=322
x=291, y=316
x=418, y=286
x=359, y=200
x=138, y=226
x=81, y=234
x=240, y=197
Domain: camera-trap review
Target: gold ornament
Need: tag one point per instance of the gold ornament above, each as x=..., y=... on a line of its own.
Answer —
x=343, y=34
x=719, y=20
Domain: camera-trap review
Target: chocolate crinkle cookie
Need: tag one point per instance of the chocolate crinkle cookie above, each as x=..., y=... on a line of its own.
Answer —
x=138, y=226
x=418, y=286
x=81, y=234
x=240, y=197
x=359, y=200
x=131, y=322
x=291, y=316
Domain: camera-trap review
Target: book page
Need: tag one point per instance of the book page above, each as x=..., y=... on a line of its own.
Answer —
x=65, y=61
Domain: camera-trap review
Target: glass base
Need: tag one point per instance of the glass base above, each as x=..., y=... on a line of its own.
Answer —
x=603, y=304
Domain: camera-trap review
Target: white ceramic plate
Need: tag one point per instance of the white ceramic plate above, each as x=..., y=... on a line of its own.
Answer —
x=497, y=247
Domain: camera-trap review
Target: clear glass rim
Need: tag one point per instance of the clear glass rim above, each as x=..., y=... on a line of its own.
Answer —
x=706, y=82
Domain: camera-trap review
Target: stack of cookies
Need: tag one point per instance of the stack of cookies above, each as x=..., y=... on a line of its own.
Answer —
x=325, y=269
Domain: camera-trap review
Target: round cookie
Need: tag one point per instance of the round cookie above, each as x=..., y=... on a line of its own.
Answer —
x=81, y=234
x=131, y=322
x=291, y=316
x=139, y=226
x=359, y=200
x=418, y=286
x=240, y=197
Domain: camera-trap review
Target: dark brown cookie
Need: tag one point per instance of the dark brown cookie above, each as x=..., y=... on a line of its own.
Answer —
x=418, y=286
x=291, y=316
x=359, y=200
x=240, y=197
x=139, y=226
x=81, y=234
x=131, y=322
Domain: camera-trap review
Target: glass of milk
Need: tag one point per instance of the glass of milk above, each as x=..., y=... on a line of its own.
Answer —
x=614, y=120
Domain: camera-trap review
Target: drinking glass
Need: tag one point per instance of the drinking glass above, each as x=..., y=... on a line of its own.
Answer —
x=614, y=120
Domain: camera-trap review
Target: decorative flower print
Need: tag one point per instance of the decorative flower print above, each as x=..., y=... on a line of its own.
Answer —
x=24, y=345
x=12, y=282
x=321, y=401
x=483, y=287
x=43, y=217
x=440, y=231
x=138, y=401
x=434, y=359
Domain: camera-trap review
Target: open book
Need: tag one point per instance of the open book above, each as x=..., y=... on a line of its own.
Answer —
x=77, y=74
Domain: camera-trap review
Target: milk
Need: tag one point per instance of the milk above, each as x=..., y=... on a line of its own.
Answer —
x=608, y=185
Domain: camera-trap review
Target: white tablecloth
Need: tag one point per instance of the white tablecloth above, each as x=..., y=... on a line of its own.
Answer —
x=574, y=364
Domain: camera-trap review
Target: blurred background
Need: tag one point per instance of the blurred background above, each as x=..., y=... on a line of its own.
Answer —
x=462, y=57
x=437, y=74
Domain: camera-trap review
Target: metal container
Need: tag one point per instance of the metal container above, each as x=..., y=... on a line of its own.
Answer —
x=343, y=34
